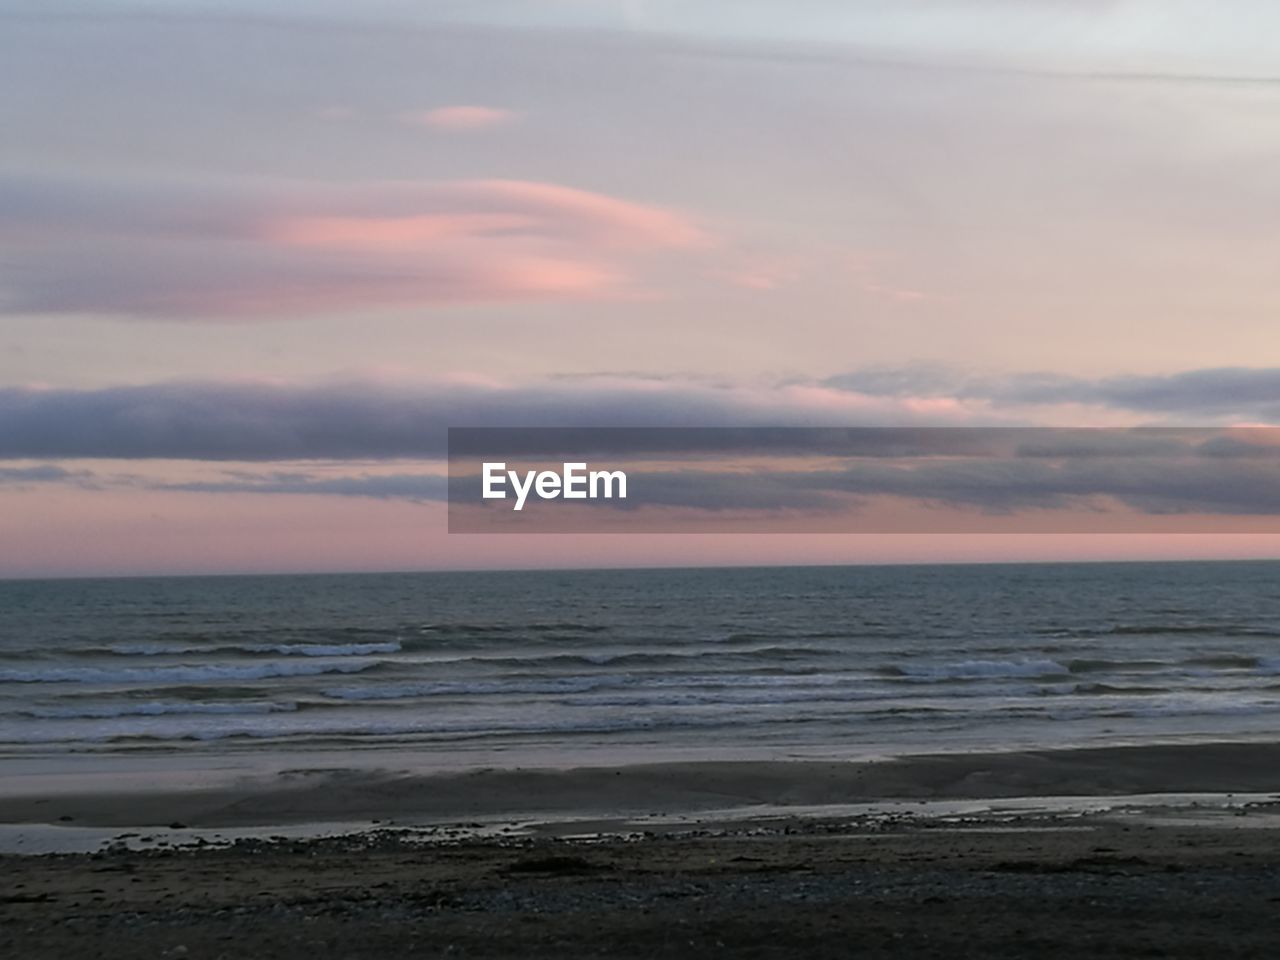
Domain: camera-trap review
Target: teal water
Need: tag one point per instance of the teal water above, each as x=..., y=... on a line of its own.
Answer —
x=776, y=662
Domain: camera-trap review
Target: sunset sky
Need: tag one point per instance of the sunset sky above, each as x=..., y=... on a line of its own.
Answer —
x=256, y=257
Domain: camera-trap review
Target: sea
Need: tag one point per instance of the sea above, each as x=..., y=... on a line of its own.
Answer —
x=591, y=666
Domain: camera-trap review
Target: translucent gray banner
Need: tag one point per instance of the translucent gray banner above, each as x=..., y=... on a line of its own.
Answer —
x=864, y=479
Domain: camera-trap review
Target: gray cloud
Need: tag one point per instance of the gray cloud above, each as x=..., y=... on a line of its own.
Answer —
x=1149, y=485
x=353, y=420
x=1170, y=474
x=414, y=487
x=248, y=421
x=1252, y=392
x=45, y=473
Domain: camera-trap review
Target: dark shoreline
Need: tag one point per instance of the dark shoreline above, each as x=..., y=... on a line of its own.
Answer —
x=1167, y=878
x=305, y=796
x=1095, y=886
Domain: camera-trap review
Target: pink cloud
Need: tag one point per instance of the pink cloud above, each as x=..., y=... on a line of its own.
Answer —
x=897, y=294
x=762, y=273
x=605, y=218
x=499, y=209
x=459, y=117
x=868, y=278
x=304, y=249
x=389, y=234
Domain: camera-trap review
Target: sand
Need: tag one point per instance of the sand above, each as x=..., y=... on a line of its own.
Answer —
x=301, y=795
x=1077, y=888
x=756, y=874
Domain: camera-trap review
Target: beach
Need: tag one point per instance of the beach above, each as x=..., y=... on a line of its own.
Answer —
x=1079, y=888
x=301, y=796
x=1059, y=760
x=1142, y=851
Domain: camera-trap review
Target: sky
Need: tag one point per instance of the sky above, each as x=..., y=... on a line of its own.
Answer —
x=256, y=257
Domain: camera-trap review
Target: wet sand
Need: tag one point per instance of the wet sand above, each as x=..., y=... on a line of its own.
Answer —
x=302, y=795
x=1169, y=880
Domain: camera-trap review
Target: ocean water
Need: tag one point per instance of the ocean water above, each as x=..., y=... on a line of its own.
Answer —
x=512, y=667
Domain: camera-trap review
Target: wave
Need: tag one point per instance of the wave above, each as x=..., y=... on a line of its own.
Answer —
x=278, y=649
x=976, y=669
x=288, y=727
x=152, y=709
x=1048, y=668
x=1192, y=629
x=863, y=633
x=182, y=673
x=1268, y=665
x=295, y=727
x=555, y=626
x=414, y=691
x=1101, y=665
x=163, y=722
x=657, y=657
x=1223, y=661
x=866, y=701
x=583, y=683
x=1230, y=660
x=559, y=658
x=1215, y=709
x=1111, y=689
